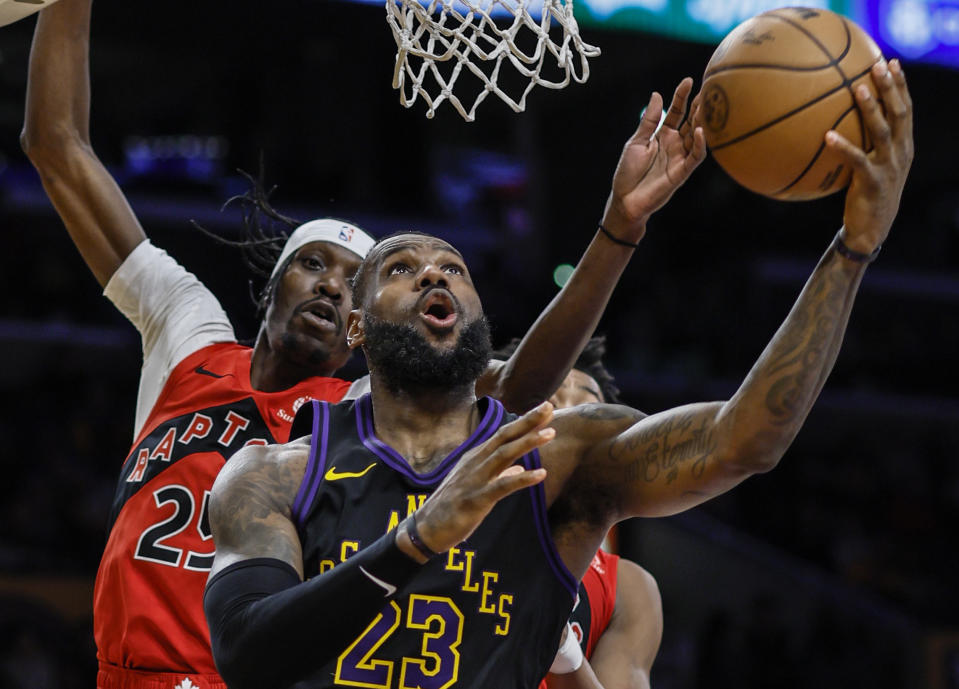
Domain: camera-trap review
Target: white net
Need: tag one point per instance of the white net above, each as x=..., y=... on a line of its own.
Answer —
x=449, y=42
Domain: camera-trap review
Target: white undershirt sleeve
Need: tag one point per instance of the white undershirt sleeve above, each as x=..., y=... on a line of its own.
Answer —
x=173, y=311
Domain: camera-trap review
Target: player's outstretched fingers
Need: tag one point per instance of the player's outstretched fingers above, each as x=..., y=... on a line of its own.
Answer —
x=874, y=119
x=852, y=155
x=697, y=153
x=677, y=108
x=899, y=76
x=515, y=478
x=537, y=417
x=650, y=121
x=518, y=437
x=896, y=109
x=507, y=454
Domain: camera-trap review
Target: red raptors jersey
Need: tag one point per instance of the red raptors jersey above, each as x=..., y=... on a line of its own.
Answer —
x=148, y=612
x=597, y=598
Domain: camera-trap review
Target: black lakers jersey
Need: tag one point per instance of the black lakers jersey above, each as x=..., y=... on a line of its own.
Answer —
x=487, y=614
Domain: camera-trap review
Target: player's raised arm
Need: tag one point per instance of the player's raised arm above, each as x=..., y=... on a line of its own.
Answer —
x=673, y=460
x=56, y=138
x=654, y=163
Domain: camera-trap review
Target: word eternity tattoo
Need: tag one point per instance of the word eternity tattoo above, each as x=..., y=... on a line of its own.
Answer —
x=665, y=448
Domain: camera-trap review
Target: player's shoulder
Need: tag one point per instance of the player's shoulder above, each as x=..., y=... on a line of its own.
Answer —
x=269, y=471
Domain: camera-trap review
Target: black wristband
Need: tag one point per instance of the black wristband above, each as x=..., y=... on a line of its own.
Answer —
x=852, y=255
x=617, y=240
x=415, y=539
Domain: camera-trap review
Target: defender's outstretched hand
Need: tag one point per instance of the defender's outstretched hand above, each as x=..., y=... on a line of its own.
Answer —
x=484, y=476
x=879, y=176
x=654, y=164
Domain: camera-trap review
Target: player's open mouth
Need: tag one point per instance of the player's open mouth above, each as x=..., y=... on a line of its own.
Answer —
x=321, y=314
x=439, y=310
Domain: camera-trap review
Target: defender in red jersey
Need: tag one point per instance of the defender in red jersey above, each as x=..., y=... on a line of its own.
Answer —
x=202, y=396
x=617, y=622
x=618, y=609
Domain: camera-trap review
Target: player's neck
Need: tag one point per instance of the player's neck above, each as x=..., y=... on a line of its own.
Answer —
x=423, y=426
x=271, y=372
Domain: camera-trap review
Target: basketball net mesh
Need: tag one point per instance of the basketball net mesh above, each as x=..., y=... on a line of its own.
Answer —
x=446, y=40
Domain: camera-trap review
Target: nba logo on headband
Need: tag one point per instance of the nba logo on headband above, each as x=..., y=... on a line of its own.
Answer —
x=330, y=230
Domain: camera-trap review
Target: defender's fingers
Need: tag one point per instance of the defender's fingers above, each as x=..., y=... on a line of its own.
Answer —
x=650, y=122
x=690, y=122
x=697, y=153
x=889, y=93
x=677, y=108
x=690, y=125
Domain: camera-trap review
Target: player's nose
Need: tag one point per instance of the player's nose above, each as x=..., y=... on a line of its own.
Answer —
x=430, y=275
x=330, y=284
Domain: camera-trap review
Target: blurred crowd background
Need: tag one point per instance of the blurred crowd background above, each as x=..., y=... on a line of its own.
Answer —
x=837, y=569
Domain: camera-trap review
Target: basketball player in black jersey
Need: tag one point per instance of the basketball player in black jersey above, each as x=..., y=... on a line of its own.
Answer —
x=466, y=590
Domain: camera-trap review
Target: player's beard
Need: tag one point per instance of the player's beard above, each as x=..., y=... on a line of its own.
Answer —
x=406, y=361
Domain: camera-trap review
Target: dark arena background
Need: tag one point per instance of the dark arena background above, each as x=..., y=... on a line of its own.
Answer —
x=838, y=569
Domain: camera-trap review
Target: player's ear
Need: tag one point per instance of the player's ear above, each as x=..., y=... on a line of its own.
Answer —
x=355, y=335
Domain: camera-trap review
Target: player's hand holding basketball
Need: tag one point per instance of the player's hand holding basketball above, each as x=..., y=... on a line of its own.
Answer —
x=878, y=177
x=654, y=164
x=483, y=477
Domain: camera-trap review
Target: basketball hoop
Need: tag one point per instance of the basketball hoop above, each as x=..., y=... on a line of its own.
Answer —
x=446, y=36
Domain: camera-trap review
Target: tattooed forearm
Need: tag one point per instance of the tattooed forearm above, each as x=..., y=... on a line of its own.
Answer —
x=801, y=355
x=660, y=452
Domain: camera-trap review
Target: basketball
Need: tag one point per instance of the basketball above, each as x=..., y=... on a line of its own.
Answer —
x=12, y=10
x=775, y=85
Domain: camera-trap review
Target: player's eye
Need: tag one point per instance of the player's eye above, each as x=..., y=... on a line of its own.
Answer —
x=398, y=268
x=313, y=263
x=453, y=269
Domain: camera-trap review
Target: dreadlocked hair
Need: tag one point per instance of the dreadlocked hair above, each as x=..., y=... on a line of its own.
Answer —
x=265, y=231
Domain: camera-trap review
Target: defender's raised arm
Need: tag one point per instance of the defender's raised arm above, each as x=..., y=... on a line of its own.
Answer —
x=56, y=138
x=655, y=162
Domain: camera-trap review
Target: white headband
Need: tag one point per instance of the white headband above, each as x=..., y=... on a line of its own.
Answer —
x=326, y=230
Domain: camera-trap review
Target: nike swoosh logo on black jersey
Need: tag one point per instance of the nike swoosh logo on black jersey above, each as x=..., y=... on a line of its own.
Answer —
x=389, y=588
x=334, y=475
x=203, y=372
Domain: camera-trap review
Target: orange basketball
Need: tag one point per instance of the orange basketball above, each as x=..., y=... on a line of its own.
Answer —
x=775, y=85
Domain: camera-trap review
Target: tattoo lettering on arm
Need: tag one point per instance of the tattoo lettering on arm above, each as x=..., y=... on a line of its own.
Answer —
x=684, y=439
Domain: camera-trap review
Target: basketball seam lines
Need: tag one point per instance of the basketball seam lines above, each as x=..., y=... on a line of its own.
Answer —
x=847, y=84
x=831, y=61
x=789, y=114
x=819, y=150
x=812, y=37
x=836, y=63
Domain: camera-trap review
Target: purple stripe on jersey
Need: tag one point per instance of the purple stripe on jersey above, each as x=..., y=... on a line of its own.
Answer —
x=316, y=464
x=364, y=424
x=538, y=497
